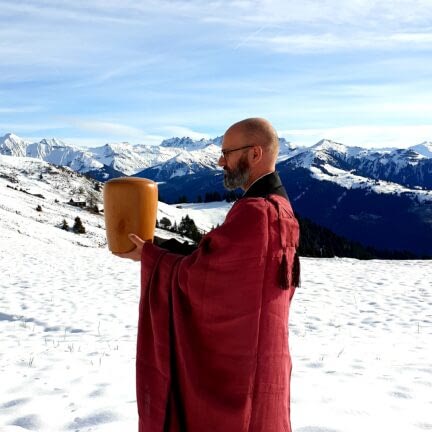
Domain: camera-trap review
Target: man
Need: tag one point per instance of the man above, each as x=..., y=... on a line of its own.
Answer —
x=212, y=351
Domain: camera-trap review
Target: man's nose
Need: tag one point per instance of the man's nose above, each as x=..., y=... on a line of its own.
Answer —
x=221, y=161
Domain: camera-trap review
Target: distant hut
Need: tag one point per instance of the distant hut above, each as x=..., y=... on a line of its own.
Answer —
x=80, y=204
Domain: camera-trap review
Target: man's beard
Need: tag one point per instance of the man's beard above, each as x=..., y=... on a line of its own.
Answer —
x=238, y=176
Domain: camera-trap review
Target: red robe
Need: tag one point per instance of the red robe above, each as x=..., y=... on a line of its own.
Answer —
x=212, y=352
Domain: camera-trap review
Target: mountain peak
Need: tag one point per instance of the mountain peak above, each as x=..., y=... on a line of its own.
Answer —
x=182, y=142
x=327, y=143
x=52, y=142
x=118, y=146
x=12, y=145
x=12, y=137
x=187, y=143
x=424, y=149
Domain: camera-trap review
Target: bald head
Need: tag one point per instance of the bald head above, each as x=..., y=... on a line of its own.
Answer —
x=259, y=131
x=259, y=143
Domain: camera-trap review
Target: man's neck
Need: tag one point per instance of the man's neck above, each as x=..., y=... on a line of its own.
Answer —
x=259, y=178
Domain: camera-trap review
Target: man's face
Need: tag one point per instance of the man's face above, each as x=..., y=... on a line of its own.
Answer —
x=238, y=175
x=235, y=163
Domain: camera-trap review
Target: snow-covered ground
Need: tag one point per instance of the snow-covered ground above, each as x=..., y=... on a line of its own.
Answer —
x=360, y=331
x=348, y=180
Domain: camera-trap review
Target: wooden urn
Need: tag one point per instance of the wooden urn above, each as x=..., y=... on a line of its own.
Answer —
x=130, y=206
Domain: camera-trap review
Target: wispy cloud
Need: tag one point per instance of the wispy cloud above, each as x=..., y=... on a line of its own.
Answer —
x=97, y=142
x=311, y=12
x=369, y=136
x=108, y=128
x=348, y=42
x=181, y=131
x=30, y=127
x=17, y=110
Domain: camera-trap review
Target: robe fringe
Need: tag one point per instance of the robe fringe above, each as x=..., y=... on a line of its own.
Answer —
x=286, y=278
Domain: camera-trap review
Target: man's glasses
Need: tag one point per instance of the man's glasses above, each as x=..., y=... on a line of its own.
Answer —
x=224, y=153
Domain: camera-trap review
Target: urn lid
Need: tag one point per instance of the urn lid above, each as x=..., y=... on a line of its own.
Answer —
x=131, y=179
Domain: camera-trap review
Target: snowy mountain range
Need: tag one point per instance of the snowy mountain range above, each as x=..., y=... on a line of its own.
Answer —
x=174, y=157
x=177, y=157
x=366, y=195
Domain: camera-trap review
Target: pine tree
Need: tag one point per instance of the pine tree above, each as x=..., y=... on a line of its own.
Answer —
x=165, y=223
x=78, y=227
x=39, y=208
x=64, y=225
x=188, y=228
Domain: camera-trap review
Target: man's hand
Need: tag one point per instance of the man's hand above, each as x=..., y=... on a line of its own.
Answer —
x=134, y=255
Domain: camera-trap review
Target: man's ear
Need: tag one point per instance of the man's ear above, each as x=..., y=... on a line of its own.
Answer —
x=257, y=154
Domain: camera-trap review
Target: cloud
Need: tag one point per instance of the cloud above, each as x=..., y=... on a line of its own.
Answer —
x=97, y=142
x=331, y=42
x=107, y=128
x=370, y=12
x=30, y=127
x=17, y=110
x=363, y=135
x=68, y=10
x=112, y=131
x=181, y=131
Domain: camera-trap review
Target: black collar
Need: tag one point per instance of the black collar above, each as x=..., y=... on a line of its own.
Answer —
x=269, y=184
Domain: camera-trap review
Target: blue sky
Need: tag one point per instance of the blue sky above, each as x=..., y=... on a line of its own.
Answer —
x=97, y=71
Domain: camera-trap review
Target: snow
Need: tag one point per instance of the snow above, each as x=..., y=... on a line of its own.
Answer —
x=11, y=144
x=361, y=334
x=205, y=215
x=360, y=341
x=360, y=331
x=68, y=328
x=424, y=149
x=187, y=143
x=130, y=159
x=349, y=180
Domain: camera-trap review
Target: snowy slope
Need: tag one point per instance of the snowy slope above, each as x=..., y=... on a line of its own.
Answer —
x=23, y=179
x=349, y=180
x=360, y=337
x=185, y=163
x=26, y=183
x=424, y=149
